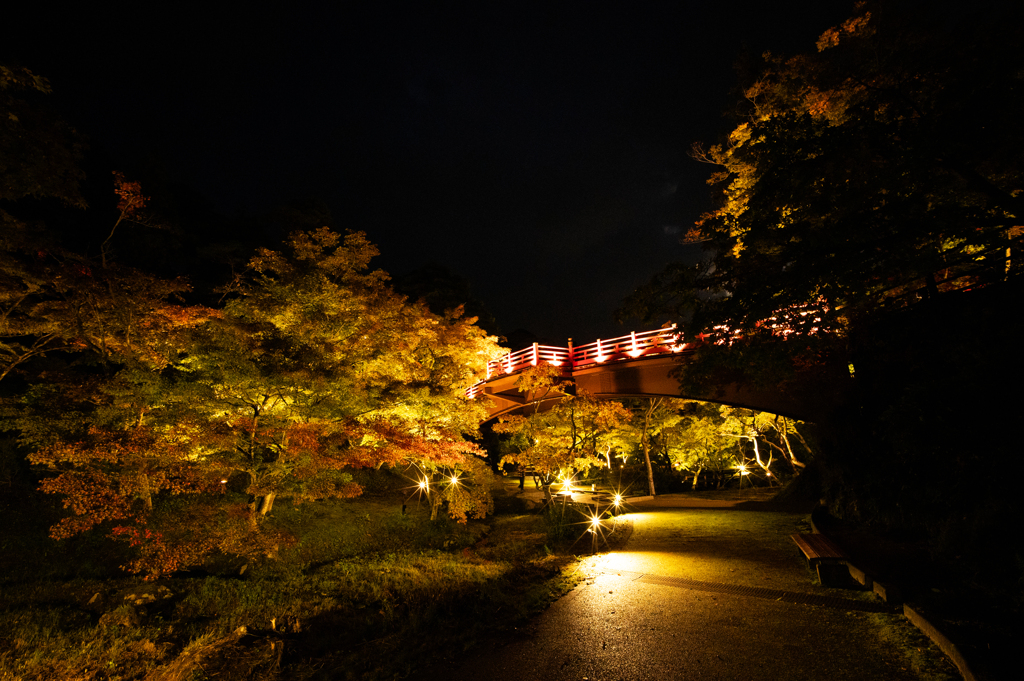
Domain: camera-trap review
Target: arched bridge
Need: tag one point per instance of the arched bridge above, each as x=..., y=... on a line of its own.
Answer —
x=637, y=365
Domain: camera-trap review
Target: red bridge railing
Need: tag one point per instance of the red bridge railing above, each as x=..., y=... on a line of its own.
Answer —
x=601, y=351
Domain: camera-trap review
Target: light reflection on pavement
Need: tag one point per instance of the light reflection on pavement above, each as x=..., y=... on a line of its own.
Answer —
x=616, y=627
x=739, y=547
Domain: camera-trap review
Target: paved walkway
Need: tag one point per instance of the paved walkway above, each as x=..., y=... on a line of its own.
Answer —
x=700, y=594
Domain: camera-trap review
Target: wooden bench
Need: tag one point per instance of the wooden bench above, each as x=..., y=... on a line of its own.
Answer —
x=523, y=473
x=826, y=558
x=818, y=548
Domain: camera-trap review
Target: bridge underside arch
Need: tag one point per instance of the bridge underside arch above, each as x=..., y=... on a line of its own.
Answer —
x=648, y=377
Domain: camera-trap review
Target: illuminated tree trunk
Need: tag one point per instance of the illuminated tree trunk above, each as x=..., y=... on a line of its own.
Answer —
x=549, y=499
x=757, y=451
x=789, y=449
x=646, y=439
x=435, y=504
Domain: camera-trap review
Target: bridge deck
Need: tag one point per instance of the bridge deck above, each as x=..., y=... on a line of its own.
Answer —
x=643, y=365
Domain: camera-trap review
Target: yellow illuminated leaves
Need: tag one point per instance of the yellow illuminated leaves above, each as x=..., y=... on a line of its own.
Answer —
x=570, y=435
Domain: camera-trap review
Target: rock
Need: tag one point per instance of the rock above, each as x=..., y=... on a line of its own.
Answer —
x=124, y=616
x=96, y=604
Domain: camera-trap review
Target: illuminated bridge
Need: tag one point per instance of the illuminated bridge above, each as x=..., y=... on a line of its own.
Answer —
x=637, y=365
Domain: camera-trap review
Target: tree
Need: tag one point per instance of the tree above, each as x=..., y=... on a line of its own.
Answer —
x=54, y=300
x=651, y=418
x=313, y=368
x=39, y=160
x=572, y=435
x=106, y=420
x=145, y=413
x=717, y=438
x=699, y=442
x=885, y=165
x=320, y=367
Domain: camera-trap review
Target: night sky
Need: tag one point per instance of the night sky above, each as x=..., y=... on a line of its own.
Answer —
x=538, y=150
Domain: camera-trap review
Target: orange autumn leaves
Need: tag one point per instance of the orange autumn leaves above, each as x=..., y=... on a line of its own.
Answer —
x=175, y=428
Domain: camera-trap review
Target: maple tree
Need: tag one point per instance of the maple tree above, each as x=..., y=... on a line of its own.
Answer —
x=125, y=454
x=883, y=167
x=104, y=415
x=39, y=159
x=649, y=419
x=320, y=367
x=699, y=443
x=313, y=367
x=726, y=441
x=574, y=435
x=129, y=208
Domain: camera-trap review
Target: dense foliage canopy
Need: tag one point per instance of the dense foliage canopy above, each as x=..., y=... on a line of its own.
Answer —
x=174, y=426
x=884, y=165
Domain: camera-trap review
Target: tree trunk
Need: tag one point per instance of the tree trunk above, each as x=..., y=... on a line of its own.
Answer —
x=435, y=504
x=789, y=449
x=650, y=469
x=757, y=455
x=647, y=445
x=549, y=499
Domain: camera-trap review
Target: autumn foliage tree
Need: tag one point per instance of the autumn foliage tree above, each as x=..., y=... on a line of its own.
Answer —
x=883, y=167
x=573, y=435
x=175, y=428
x=320, y=367
x=723, y=442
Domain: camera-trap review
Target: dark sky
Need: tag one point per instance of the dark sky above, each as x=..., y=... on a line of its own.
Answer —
x=538, y=150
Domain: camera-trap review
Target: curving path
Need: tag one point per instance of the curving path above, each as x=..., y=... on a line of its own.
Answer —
x=701, y=594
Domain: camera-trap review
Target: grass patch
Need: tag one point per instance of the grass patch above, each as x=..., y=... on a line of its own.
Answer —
x=920, y=654
x=366, y=592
